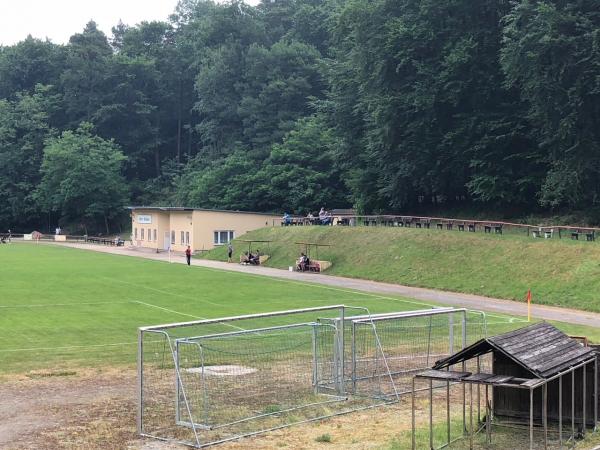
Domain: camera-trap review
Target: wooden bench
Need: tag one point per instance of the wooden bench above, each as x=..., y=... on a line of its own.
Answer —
x=497, y=227
x=546, y=233
x=318, y=266
x=590, y=235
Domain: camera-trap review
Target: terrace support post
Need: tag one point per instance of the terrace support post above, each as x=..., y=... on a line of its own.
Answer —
x=140, y=385
x=530, y=419
x=560, y=388
x=431, y=414
x=573, y=407
x=414, y=444
x=471, y=416
x=545, y=414
x=584, y=371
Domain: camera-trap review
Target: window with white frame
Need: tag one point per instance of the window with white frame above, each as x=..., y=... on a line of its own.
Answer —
x=149, y=234
x=142, y=234
x=223, y=237
x=173, y=237
x=187, y=237
x=154, y=235
x=182, y=237
x=135, y=233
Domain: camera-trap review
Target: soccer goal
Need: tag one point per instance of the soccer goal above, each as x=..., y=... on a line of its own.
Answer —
x=211, y=381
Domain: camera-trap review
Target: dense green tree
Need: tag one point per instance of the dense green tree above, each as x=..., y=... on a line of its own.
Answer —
x=83, y=80
x=301, y=173
x=551, y=54
x=386, y=105
x=29, y=63
x=81, y=179
x=23, y=129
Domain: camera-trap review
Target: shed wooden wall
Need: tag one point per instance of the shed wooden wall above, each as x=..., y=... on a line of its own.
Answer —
x=514, y=403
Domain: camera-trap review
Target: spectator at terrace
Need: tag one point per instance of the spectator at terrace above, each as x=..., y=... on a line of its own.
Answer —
x=324, y=217
x=287, y=219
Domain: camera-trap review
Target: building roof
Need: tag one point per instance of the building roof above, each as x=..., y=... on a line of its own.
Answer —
x=183, y=208
x=541, y=348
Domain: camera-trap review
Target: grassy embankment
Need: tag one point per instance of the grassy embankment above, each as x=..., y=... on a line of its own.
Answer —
x=559, y=272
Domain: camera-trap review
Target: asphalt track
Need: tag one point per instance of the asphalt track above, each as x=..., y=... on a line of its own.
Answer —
x=432, y=296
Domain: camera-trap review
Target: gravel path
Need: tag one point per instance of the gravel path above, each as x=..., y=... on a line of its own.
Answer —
x=373, y=287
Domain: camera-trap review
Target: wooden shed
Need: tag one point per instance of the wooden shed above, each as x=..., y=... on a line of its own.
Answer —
x=538, y=374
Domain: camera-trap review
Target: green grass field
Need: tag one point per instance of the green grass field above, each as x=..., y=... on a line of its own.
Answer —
x=559, y=272
x=62, y=308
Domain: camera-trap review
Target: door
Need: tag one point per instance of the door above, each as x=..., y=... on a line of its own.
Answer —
x=167, y=241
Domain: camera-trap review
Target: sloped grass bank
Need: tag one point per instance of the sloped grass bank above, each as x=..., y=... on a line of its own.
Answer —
x=559, y=272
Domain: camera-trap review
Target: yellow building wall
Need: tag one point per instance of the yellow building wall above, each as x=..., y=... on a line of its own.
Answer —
x=159, y=222
x=181, y=221
x=207, y=222
x=200, y=225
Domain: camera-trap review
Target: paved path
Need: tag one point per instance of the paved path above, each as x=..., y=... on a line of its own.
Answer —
x=375, y=287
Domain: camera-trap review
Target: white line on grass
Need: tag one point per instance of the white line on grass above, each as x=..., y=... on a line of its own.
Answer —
x=66, y=348
x=64, y=304
x=185, y=314
x=163, y=292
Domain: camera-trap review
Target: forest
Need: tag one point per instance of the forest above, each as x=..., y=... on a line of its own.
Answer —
x=290, y=105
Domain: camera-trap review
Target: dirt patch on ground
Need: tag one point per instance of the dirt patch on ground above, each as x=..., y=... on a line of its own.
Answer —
x=96, y=409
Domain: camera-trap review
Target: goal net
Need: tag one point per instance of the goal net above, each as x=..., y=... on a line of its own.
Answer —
x=211, y=381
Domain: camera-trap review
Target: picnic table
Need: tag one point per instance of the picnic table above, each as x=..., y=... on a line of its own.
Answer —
x=590, y=235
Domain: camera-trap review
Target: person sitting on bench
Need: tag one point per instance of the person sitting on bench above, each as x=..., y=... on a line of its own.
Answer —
x=253, y=259
x=302, y=263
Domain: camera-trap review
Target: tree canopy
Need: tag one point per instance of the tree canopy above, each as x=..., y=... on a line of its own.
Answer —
x=386, y=105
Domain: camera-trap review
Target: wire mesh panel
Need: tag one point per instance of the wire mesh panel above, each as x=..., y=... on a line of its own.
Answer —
x=211, y=381
x=410, y=342
x=239, y=382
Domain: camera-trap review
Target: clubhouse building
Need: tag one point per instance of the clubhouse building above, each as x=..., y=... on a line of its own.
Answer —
x=162, y=228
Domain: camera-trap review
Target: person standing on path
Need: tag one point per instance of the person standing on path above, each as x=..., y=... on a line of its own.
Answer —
x=229, y=252
x=188, y=255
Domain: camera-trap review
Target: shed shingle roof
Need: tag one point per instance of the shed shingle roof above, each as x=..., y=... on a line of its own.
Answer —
x=541, y=348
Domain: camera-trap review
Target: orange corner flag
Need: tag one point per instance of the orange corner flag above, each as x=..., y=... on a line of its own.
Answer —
x=529, y=305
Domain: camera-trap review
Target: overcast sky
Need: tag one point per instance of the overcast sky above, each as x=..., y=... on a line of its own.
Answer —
x=59, y=19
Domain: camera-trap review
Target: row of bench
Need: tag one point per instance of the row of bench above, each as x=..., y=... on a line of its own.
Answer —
x=548, y=233
x=105, y=241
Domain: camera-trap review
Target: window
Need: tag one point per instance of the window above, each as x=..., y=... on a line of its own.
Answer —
x=142, y=234
x=182, y=238
x=172, y=236
x=154, y=235
x=135, y=233
x=187, y=237
x=149, y=234
x=223, y=237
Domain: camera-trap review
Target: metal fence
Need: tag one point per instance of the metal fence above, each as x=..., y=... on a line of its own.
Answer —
x=211, y=381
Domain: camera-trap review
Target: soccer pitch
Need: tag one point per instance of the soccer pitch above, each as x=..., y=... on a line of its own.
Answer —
x=62, y=308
